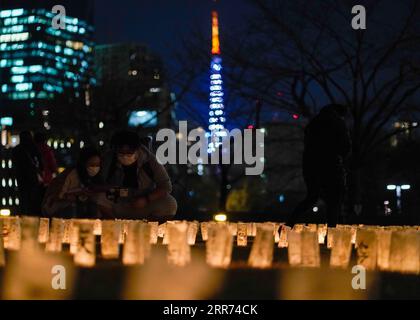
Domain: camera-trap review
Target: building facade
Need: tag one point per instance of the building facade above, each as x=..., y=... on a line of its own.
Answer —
x=131, y=88
x=39, y=64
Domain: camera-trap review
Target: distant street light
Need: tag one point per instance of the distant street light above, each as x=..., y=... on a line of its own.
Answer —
x=398, y=189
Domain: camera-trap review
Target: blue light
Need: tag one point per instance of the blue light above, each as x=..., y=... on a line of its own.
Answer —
x=281, y=198
x=6, y=121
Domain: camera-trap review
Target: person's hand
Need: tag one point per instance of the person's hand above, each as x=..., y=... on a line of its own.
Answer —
x=140, y=202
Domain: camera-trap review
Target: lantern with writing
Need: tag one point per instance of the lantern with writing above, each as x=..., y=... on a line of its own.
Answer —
x=44, y=230
x=30, y=230
x=110, y=234
x=2, y=256
x=179, y=253
x=340, y=252
x=85, y=255
x=54, y=243
x=219, y=246
x=366, y=248
x=192, y=232
x=405, y=252
x=241, y=236
x=137, y=243
x=384, y=246
x=283, y=243
x=261, y=255
x=154, y=228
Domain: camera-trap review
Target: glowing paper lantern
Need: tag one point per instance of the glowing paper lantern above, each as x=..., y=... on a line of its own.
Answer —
x=233, y=227
x=166, y=235
x=294, y=249
x=179, y=252
x=30, y=230
x=97, y=227
x=110, y=235
x=2, y=257
x=154, y=227
x=219, y=246
x=310, y=249
x=137, y=245
x=384, y=246
x=192, y=232
x=277, y=233
x=86, y=248
x=330, y=239
x=54, y=243
x=283, y=243
x=322, y=233
x=12, y=233
x=241, y=237
x=303, y=249
x=161, y=230
x=367, y=248
x=340, y=252
x=74, y=237
x=66, y=230
x=203, y=229
x=261, y=255
x=44, y=230
x=124, y=230
x=405, y=252
x=298, y=227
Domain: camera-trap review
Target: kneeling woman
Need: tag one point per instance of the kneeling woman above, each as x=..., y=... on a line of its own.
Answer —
x=72, y=193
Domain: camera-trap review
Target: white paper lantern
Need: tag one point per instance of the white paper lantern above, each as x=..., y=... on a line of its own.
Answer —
x=219, y=246
x=110, y=235
x=242, y=237
x=261, y=255
x=341, y=250
x=85, y=255
x=366, y=248
x=44, y=230
x=179, y=252
x=54, y=243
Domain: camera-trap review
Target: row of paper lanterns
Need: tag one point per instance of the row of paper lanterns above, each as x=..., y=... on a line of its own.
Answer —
x=395, y=248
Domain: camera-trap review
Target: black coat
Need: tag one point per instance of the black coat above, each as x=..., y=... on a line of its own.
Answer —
x=327, y=142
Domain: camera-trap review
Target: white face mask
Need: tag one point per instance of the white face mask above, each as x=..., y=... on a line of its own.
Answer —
x=93, y=171
x=127, y=159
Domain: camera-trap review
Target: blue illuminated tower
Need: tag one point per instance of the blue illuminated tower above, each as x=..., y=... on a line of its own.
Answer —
x=216, y=109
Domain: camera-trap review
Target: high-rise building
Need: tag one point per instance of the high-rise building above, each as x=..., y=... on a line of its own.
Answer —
x=40, y=63
x=131, y=88
x=216, y=109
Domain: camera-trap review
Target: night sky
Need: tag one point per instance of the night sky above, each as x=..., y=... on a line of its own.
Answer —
x=160, y=23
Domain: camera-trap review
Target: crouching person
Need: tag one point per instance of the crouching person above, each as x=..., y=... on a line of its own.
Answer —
x=143, y=184
x=72, y=193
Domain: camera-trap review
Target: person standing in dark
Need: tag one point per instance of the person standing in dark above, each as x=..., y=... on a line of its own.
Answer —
x=327, y=144
x=27, y=162
x=48, y=158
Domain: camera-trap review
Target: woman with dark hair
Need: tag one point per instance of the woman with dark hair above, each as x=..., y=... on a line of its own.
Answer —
x=71, y=194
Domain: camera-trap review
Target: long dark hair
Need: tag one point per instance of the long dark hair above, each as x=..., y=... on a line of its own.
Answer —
x=84, y=156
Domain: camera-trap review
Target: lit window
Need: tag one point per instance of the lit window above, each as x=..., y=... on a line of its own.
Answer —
x=14, y=37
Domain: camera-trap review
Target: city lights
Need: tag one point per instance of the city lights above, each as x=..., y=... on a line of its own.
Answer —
x=66, y=54
x=220, y=217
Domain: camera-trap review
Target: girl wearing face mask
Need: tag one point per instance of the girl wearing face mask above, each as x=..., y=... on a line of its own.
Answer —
x=71, y=193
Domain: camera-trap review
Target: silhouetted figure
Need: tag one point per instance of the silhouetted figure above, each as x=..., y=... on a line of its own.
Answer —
x=48, y=158
x=28, y=170
x=327, y=145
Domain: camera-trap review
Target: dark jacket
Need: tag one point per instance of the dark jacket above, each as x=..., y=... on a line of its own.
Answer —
x=327, y=141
